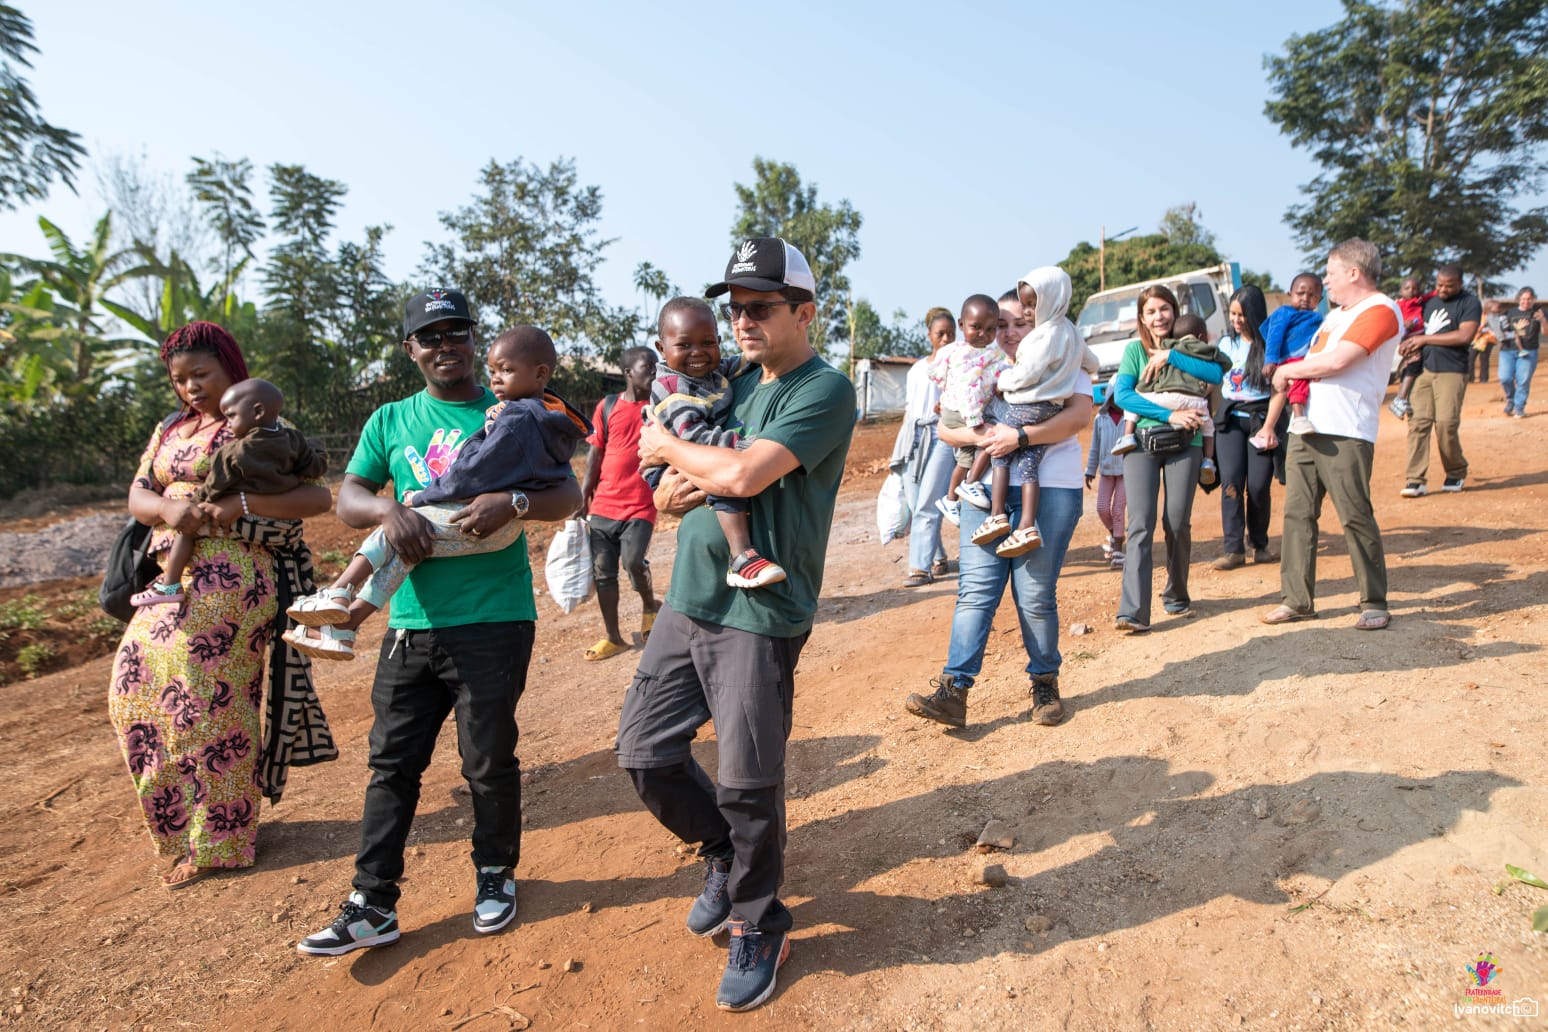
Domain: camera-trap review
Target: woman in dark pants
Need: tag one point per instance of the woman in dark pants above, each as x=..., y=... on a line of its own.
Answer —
x=1246, y=472
x=1144, y=473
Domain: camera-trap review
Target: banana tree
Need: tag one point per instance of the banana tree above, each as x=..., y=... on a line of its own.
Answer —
x=78, y=280
x=184, y=301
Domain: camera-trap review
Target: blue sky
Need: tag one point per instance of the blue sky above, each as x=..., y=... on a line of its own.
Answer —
x=976, y=139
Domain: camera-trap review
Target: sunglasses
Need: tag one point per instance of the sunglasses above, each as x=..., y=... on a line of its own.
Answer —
x=451, y=338
x=757, y=311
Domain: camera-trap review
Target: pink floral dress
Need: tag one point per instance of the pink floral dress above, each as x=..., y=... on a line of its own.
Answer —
x=188, y=679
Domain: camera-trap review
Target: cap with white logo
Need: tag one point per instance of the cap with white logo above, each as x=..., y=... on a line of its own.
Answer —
x=766, y=263
x=433, y=306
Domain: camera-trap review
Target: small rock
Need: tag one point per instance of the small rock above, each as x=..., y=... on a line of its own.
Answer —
x=996, y=835
x=1303, y=811
x=298, y=880
x=543, y=660
x=277, y=917
x=1037, y=924
x=1080, y=628
x=571, y=966
x=992, y=875
x=446, y=1012
x=1101, y=947
x=1260, y=807
x=526, y=779
x=586, y=908
x=461, y=822
x=544, y=965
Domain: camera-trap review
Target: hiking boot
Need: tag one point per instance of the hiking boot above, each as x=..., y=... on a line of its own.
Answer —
x=1046, y=707
x=1229, y=561
x=495, y=905
x=946, y=705
x=754, y=959
x=358, y=925
x=713, y=907
x=1263, y=555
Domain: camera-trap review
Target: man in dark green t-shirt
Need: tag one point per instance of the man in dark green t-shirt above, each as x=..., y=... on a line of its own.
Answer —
x=728, y=654
x=459, y=634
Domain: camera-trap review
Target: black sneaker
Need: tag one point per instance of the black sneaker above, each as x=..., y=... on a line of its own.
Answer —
x=495, y=905
x=750, y=968
x=1413, y=489
x=358, y=925
x=946, y=705
x=1047, y=709
x=1452, y=484
x=713, y=907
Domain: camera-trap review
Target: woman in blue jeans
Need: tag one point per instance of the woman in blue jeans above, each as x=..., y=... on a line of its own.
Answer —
x=1519, y=362
x=1034, y=576
x=923, y=460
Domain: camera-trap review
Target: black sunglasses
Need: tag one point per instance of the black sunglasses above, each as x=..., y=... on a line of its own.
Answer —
x=452, y=338
x=757, y=311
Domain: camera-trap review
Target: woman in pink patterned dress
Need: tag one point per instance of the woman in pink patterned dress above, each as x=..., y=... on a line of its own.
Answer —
x=188, y=680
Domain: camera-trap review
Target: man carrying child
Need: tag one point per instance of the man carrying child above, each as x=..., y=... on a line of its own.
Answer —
x=726, y=654
x=459, y=638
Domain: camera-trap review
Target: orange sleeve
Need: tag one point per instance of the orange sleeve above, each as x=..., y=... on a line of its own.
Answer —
x=1372, y=328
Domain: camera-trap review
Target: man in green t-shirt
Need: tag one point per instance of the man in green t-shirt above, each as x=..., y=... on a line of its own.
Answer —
x=728, y=654
x=459, y=634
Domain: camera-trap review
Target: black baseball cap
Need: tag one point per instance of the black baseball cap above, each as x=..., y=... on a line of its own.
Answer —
x=432, y=306
x=766, y=263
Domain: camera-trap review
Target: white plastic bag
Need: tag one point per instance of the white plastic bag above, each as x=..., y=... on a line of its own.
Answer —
x=892, y=515
x=569, y=565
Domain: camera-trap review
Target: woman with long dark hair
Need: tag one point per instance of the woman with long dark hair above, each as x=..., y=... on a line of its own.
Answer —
x=1246, y=473
x=187, y=696
x=1146, y=472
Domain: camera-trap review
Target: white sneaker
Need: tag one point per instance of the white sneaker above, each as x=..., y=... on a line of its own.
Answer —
x=974, y=494
x=950, y=510
x=1301, y=426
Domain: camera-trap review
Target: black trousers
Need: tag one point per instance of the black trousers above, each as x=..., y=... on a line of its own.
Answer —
x=1246, y=480
x=479, y=671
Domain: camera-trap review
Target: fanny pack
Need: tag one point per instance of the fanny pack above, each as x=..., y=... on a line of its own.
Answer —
x=1163, y=440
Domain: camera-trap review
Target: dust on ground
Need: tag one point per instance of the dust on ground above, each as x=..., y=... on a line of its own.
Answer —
x=1238, y=826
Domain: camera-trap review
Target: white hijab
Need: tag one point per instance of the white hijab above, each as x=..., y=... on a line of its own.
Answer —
x=1054, y=352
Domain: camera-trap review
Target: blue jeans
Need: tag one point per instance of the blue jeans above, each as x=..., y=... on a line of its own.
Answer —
x=1516, y=369
x=1034, y=581
x=924, y=533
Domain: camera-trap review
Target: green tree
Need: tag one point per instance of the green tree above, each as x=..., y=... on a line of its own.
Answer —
x=301, y=284
x=182, y=300
x=654, y=287
x=33, y=153
x=1181, y=225
x=778, y=204
x=871, y=337
x=526, y=250
x=224, y=188
x=1131, y=260
x=78, y=280
x=1428, y=118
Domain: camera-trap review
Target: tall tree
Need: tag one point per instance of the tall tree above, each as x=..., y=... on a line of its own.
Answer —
x=156, y=221
x=301, y=280
x=1428, y=118
x=526, y=250
x=33, y=153
x=779, y=204
x=225, y=190
x=1181, y=224
x=654, y=287
x=871, y=336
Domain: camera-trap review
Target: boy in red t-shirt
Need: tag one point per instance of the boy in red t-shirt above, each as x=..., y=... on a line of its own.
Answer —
x=617, y=502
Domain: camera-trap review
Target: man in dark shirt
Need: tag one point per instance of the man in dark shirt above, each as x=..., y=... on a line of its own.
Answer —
x=1451, y=321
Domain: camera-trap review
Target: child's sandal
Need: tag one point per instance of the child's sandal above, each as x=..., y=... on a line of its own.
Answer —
x=327, y=607
x=1021, y=541
x=157, y=594
x=993, y=528
x=330, y=642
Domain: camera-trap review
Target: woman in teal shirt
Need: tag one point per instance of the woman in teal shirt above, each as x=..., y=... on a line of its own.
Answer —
x=1144, y=473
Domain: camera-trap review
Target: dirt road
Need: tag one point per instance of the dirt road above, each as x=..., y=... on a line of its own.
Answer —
x=1238, y=826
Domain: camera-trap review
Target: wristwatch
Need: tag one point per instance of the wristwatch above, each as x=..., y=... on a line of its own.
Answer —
x=1021, y=437
x=519, y=502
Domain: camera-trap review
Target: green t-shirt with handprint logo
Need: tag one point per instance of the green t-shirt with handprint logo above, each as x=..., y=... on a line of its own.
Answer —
x=410, y=442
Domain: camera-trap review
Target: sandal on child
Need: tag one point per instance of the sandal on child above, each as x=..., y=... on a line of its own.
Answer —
x=1021, y=541
x=327, y=607
x=991, y=529
x=751, y=570
x=330, y=642
x=157, y=594
x=647, y=624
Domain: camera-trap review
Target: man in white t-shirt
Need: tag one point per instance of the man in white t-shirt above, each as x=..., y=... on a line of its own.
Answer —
x=1347, y=366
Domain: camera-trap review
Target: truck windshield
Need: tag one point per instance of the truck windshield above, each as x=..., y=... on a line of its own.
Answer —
x=1110, y=314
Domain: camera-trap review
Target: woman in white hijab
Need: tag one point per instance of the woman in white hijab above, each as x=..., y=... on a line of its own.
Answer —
x=1033, y=576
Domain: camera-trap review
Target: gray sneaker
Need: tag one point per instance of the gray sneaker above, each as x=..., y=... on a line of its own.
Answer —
x=712, y=908
x=495, y=905
x=358, y=925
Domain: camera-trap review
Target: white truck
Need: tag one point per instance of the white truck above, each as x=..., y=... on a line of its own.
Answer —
x=1109, y=320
